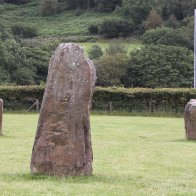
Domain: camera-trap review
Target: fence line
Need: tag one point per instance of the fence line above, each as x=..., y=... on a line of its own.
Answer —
x=147, y=107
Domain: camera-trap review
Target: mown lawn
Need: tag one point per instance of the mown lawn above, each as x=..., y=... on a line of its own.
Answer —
x=132, y=156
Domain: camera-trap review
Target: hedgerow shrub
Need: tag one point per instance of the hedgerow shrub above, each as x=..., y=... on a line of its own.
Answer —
x=15, y=97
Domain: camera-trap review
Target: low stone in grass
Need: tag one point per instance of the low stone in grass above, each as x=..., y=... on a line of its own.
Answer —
x=63, y=141
x=190, y=119
x=1, y=116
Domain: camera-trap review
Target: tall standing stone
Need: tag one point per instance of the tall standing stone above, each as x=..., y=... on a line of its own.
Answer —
x=190, y=119
x=1, y=116
x=63, y=141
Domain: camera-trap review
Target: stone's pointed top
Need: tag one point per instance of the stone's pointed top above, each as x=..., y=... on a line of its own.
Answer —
x=70, y=47
x=192, y=102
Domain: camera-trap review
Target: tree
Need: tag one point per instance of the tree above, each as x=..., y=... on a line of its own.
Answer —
x=22, y=65
x=111, y=66
x=95, y=52
x=115, y=28
x=158, y=66
x=179, y=8
x=105, y=5
x=153, y=21
x=110, y=69
x=138, y=10
x=49, y=7
x=182, y=36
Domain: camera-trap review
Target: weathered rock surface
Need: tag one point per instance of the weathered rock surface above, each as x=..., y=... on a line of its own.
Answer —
x=190, y=119
x=1, y=116
x=63, y=141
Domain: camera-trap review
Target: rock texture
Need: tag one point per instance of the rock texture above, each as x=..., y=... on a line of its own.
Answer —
x=190, y=119
x=1, y=116
x=63, y=141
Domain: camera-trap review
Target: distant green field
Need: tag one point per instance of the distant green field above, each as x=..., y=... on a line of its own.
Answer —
x=130, y=45
x=132, y=156
x=62, y=24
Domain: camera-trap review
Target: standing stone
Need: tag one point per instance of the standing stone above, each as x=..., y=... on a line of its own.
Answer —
x=63, y=141
x=1, y=116
x=190, y=119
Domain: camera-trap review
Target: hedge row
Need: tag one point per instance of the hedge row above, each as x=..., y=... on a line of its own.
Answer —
x=18, y=96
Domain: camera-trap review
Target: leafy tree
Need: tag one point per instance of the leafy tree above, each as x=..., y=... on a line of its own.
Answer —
x=105, y=5
x=116, y=28
x=95, y=52
x=172, y=22
x=93, y=29
x=49, y=7
x=22, y=65
x=110, y=69
x=112, y=65
x=159, y=66
x=153, y=21
x=138, y=10
x=182, y=36
x=179, y=8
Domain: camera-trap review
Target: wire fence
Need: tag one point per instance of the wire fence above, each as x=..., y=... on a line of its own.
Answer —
x=145, y=107
x=151, y=107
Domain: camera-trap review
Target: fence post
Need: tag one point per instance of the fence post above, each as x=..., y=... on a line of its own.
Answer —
x=110, y=106
x=37, y=105
x=151, y=107
x=1, y=116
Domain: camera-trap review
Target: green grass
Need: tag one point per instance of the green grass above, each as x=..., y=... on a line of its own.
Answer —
x=129, y=44
x=62, y=24
x=132, y=156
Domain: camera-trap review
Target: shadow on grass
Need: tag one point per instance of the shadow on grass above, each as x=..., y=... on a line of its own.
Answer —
x=3, y=136
x=184, y=140
x=76, y=180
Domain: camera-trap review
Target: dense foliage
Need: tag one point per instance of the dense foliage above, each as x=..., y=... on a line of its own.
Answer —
x=160, y=66
x=22, y=65
x=17, y=98
x=166, y=26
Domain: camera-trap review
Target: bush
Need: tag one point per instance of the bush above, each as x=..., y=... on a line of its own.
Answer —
x=23, y=31
x=110, y=69
x=49, y=7
x=93, y=29
x=78, y=12
x=22, y=65
x=17, y=1
x=158, y=66
x=15, y=97
x=95, y=52
x=168, y=36
x=153, y=21
x=116, y=28
x=116, y=48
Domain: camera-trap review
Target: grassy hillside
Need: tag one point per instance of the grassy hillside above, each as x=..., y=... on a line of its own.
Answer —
x=64, y=23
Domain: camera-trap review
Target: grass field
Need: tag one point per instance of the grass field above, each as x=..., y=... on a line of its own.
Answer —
x=130, y=45
x=132, y=156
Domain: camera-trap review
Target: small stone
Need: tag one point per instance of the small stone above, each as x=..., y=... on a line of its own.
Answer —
x=190, y=119
x=63, y=141
x=1, y=116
